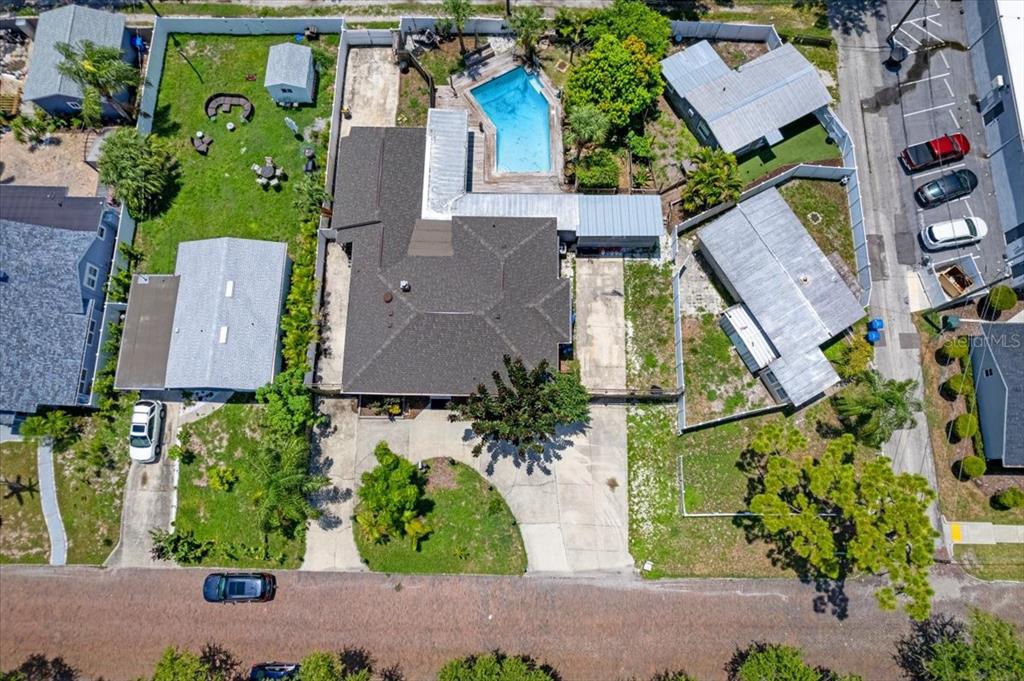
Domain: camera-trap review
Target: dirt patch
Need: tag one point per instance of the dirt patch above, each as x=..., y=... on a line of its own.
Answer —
x=441, y=475
x=736, y=54
x=60, y=164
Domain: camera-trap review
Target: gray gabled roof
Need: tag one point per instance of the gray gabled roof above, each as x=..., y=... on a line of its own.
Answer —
x=1005, y=341
x=697, y=65
x=42, y=315
x=288, y=64
x=787, y=284
x=481, y=287
x=52, y=207
x=755, y=100
x=68, y=24
x=227, y=312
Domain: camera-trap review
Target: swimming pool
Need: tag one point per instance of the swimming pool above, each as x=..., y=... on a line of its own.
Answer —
x=514, y=103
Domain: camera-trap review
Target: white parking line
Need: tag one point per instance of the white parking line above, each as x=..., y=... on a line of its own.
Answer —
x=929, y=19
x=911, y=21
x=937, y=5
x=931, y=108
x=945, y=61
x=922, y=80
x=955, y=121
x=943, y=169
x=948, y=87
x=970, y=212
x=904, y=31
x=926, y=31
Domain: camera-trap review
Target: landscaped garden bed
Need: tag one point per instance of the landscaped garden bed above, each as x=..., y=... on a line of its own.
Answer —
x=823, y=210
x=23, y=538
x=223, y=512
x=650, y=333
x=471, y=529
x=217, y=193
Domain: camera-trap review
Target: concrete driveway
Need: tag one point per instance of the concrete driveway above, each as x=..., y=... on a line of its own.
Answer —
x=570, y=504
x=371, y=88
x=601, y=323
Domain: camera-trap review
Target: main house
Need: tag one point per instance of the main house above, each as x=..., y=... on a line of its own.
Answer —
x=55, y=255
x=741, y=109
x=997, y=361
x=444, y=281
x=790, y=300
x=45, y=85
x=212, y=325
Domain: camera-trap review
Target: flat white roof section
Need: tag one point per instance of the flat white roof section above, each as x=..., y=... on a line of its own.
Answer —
x=444, y=177
x=753, y=339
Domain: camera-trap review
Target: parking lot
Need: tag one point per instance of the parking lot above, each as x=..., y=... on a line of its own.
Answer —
x=934, y=96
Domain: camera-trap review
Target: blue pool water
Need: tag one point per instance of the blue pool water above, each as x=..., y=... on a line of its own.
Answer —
x=514, y=103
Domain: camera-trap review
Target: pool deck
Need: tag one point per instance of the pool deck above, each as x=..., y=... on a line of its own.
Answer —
x=485, y=177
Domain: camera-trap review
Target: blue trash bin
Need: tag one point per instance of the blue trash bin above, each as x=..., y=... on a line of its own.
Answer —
x=873, y=337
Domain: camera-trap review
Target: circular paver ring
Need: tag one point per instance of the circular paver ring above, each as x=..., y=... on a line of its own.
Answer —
x=815, y=217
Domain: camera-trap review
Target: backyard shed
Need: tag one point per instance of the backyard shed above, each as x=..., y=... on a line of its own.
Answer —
x=45, y=85
x=793, y=300
x=291, y=74
x=742, y=109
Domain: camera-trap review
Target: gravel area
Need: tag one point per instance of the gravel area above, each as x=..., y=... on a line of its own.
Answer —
x=116, y=622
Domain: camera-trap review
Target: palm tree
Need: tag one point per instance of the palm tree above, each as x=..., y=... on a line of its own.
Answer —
x=140, y=171
x=716, y=180
x=572, y=27
x=528, y=24
x=588, y=126
x=283, y=483
x=458, y=11
x=100, y=68
x=874, y=407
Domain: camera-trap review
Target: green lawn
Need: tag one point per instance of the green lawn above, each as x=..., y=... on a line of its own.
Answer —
x=225, y=438
x=804, y=143
x=220, y=9
x=717, y=381
x=413, y=100
x=995, y=561
x=823, y=209
x=23, y=537
x=472, y=530
x=651, y=335
x=218, y=193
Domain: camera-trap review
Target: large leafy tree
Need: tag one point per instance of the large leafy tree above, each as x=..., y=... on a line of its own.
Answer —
x=588, y=126
x=494, y=667
x=525, y=408
x=100, y=69
x=620, y=77
x=458, y=11
x=942, y=648
x=832, y=518
x=289, y=403
x=762, y=661
x=391, y=499
x=140, y=170
x=528, y=25
x=625, y=18
x=715, y=180
x=873, y=408
x=280, y=467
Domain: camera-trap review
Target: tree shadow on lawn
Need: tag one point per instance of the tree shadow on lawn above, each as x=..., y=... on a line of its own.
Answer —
x=532, y=461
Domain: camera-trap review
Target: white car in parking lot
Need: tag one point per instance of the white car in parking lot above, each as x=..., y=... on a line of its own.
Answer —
x=147, y=424
x=953, y=233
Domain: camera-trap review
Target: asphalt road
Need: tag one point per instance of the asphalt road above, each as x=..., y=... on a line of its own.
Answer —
x=116, y=622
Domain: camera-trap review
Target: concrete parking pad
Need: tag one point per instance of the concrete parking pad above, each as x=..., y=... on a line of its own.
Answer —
x=371, y=88
x=601, y=323
x=571, y=508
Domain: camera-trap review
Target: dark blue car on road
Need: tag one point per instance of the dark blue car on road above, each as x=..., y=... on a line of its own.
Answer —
x=240, y=587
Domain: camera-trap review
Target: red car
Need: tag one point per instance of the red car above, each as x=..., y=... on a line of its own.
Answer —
x=945, y=149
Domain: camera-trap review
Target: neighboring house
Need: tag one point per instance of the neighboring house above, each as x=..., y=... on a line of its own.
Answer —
x=742, y=109
x=45, y=86
x=790, y=299
x=291, y=74
x=434, y=304
x=997, y=361
x=212, y=325
x=55, y=255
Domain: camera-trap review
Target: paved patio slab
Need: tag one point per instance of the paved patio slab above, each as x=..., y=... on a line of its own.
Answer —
x=601, y=323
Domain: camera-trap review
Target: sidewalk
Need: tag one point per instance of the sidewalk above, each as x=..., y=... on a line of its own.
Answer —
x=955, y=532
x=48, y=498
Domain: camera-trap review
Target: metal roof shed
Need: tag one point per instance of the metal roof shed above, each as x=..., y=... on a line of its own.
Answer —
x=619, y=221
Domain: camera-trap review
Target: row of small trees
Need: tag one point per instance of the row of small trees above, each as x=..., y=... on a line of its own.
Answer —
x=942, y=648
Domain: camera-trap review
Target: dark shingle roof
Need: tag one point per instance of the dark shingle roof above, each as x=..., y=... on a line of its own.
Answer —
x=50, y=206
x=497, y=293
x=1006, y=343
x=43, y=323
x=146, y=338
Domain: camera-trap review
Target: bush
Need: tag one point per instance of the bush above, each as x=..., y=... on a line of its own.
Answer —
x=965, y=426
x=179, y=546
x=140, y=170
x=222, y=478
x=972, y=467
x=855, y=357
x=1002, y=298
x=56, y=425
x=390, y=498
x=289, y=403
x=958, y=384
x=955, y=348
x=625, y=18
x=641, y=146
x=1012, y=497
x=598, y=170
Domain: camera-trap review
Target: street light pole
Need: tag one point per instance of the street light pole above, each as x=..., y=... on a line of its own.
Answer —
x=897, y=52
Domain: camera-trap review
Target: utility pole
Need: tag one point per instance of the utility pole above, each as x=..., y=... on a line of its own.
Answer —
x=897, y=52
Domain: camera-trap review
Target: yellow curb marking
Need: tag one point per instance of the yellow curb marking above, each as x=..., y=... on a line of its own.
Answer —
x=954, y=532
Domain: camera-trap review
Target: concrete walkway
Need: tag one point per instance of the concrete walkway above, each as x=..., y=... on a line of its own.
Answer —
x=601, y=323
x=371, y=88
x=51, y=509
x=981, y=533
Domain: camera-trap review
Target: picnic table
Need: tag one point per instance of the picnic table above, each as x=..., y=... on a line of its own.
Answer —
x=267, y=171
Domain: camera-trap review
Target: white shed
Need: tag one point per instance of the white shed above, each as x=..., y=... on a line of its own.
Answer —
x=291, y=75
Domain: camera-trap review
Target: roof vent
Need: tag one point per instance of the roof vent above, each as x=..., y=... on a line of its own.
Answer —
x=143, y=278
x=3, y=276
x=229, y=288
x=804, y=279
x=388, y=297
x=223, y=334
x=405, y=286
